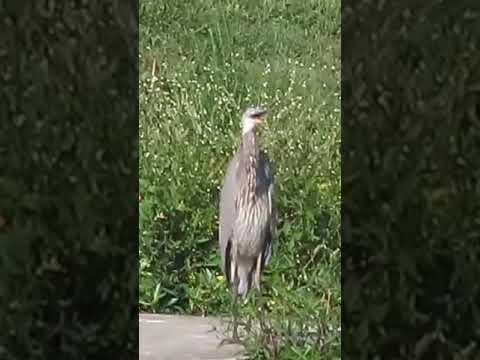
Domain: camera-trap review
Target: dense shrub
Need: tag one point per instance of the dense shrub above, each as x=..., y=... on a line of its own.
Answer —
x=68, y=193
x=411, y=148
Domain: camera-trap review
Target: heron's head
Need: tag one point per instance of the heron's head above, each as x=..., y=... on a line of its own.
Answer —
x=252, y=117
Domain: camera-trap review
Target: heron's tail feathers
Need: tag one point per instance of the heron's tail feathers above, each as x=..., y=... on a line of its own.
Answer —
x=245, y=277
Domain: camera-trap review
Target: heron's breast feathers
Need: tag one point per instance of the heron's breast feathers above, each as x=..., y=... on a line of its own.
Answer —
x=251, y=224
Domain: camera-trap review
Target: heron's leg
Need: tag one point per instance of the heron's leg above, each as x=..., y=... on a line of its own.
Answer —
x=235, y=339
x=235, y=318
x=236, y=280
x=258, y=272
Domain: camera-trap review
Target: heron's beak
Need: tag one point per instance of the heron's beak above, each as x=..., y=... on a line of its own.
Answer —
x=260, y=120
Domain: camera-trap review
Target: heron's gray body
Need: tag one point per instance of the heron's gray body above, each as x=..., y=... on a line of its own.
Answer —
x=247, y=216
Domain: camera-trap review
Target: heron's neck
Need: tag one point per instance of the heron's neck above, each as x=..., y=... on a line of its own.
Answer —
x=249, y=160
x=248, y=127
x=249, y=144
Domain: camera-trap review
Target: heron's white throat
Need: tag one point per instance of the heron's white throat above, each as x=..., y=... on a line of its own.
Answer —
x=248, y=125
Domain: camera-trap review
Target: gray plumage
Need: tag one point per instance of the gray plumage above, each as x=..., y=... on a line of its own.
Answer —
x=247, y=210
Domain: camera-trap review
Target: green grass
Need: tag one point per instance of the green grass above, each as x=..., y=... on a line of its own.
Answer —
x=201, y=64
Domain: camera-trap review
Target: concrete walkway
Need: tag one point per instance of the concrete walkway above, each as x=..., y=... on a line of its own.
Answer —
x=175, y=337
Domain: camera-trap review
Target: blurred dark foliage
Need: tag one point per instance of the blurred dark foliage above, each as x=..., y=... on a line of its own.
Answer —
x=68, y=180
x=410, y=170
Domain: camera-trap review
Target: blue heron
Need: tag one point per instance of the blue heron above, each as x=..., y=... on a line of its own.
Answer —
x=247, y=213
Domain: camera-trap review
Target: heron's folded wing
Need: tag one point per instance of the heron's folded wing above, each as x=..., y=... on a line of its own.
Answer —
x=227, y=211
x=271, y=193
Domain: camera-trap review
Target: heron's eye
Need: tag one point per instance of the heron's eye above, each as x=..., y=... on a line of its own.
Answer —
x=259, y=115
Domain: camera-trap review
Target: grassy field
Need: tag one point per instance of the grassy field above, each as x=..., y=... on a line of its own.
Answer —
x=201, y=64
